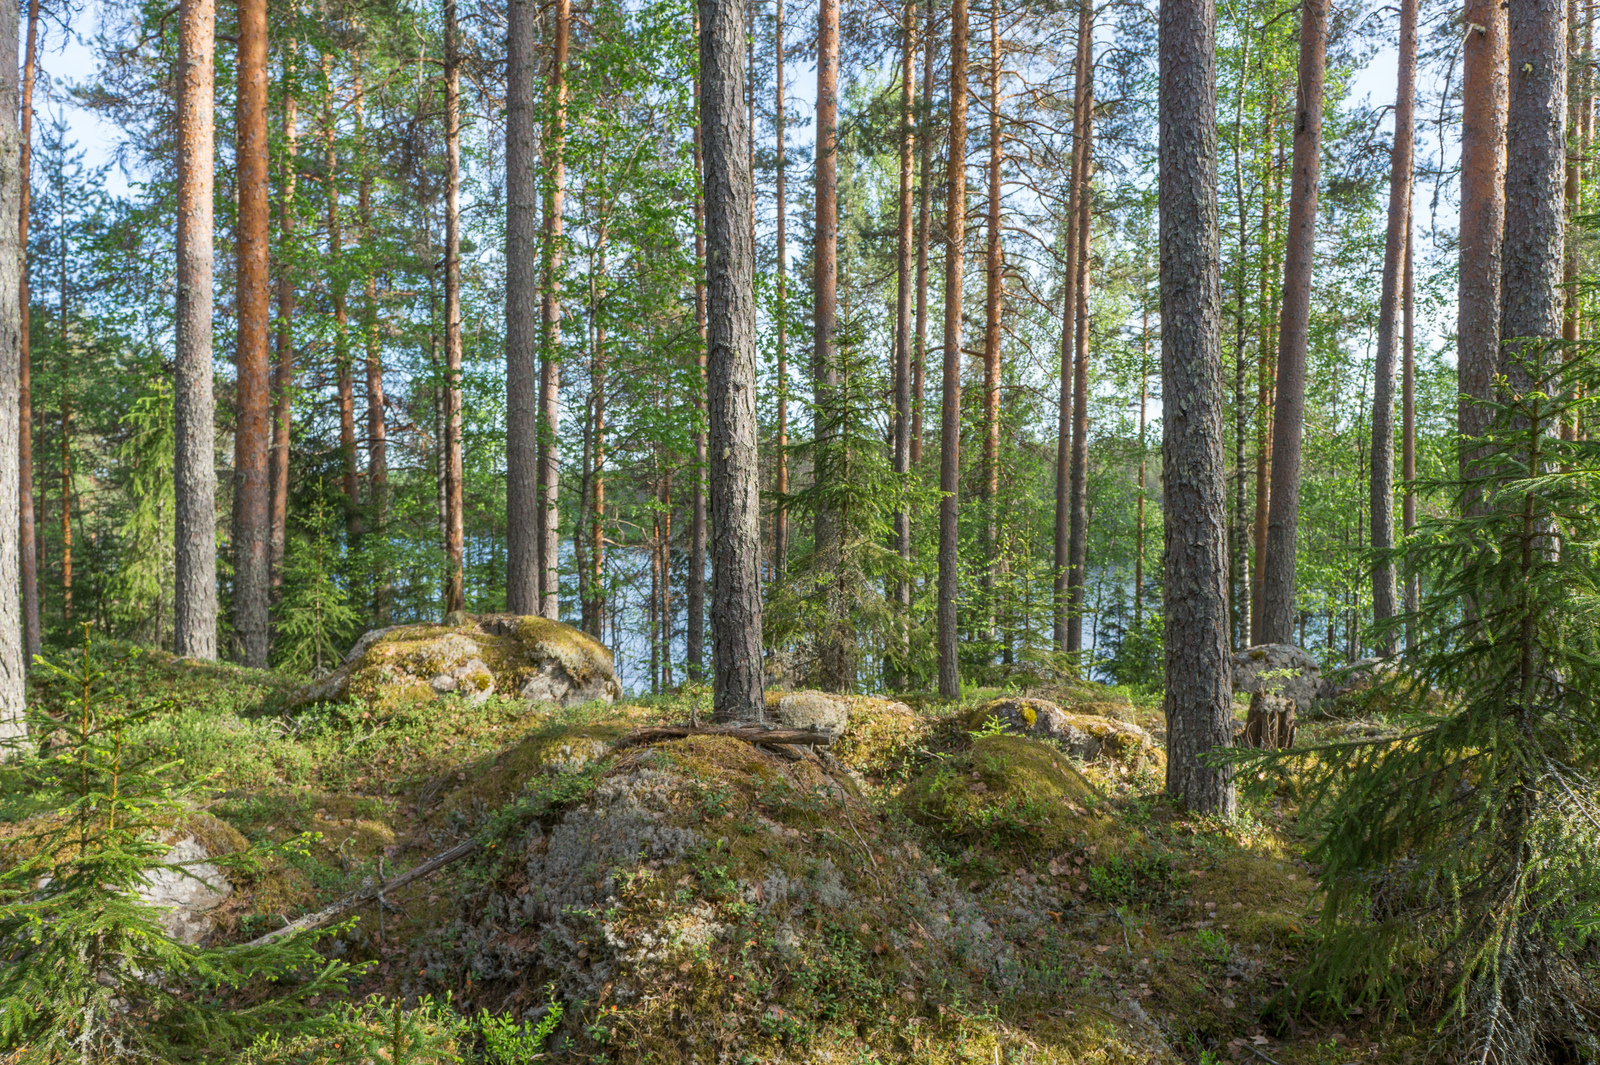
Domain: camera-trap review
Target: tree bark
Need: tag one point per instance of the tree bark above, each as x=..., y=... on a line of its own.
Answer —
x=283, y=369
x=780, y=517
x=904, y=281
x=950, y=413
x=1199, y=709
x=1408, y=429
x=1266, y=371
x=1144, y=396
x=13, y=669
x=522, y=312
x=1484, y=98
x=924, y=228
x=454, y=536
x=1390, y=312
x=1283, y=515
x=194, y=467
x=994, y=264
x=1078, y=497
x=338, y=290
x=27, y=542
x=597, y=489
x=550, y=322
x=1531, y=257
x=252, y=438
x=695, y=579
x=1062, y=572
x=731, y=369
x=377, y=424
x=836, y=660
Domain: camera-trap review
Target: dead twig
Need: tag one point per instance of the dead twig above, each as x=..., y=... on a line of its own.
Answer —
x=763, y=737
x=332, y=911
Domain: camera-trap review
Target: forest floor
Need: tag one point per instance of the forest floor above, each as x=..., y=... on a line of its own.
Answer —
x=934, y=890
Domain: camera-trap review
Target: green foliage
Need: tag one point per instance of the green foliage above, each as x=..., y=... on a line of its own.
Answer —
x=508, y=1041
x=1461, y=857
x=90, y=973
x=314, y=619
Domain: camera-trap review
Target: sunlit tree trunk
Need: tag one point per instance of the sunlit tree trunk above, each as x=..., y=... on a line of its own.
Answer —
x=904, y=281
x=194, y=472
x=1531, y=297
x=283, y=369
x=597, y=488
x=731, y=368
x=994, y=263
x=1062, y=572
x=924, y=232
x=1294, y=334
x=1390, y=313
x=455, y=586
x=522, y=312
x=1266, y=367
x=338, y=290
x=695, y=579
x=1408, y=429
x=252, y=501
x=955, y=221
x=550, y=323
x=1484, y=95
x=1078, y=497
x=780, y=516
x=1198, y=704
x=13, y=688
x=27, y=545
x=377, y=423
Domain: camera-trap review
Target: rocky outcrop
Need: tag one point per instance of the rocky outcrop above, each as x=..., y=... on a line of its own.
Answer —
x=1084, y=736
x=1278, y=669
x=813, y=710
x=186, y=888
x=531, y=658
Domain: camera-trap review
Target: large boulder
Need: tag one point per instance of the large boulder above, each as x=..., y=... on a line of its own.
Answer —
x=186, y=888
x=1084, y=736
x=811, y=710
x=530, y=658
x=1278, y=669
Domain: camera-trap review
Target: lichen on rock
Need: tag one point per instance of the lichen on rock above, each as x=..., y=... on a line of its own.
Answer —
x=1084, y=736
x=535, y=659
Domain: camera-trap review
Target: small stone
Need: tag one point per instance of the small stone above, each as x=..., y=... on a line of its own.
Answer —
x=444, y=682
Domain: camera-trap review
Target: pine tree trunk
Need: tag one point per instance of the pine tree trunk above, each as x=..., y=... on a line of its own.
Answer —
x=1484, y=97
x=597, y=489
x=252, y=439
x=924, y=231
x=1199, y=710
x=731, y=368
x=1144, y=396
x=950, y=414
x=695, y=582
x=994, y=263
x=1062, y=571
x=338, y=290
x=1531, y=296
x=550, y=322
x=377, y=426
x=522, y=312
x=1078, y=498
x=1294, y=333
x=1571, y=325
x=455, y=588
x=283, y=370
x=1390, y=312
x=1238, y=551
x=780, y=516
x=1408, y=429
x=904, y=280
x=836, y=661
x=1266, y=366
x=13, y=688
x=194, y=468
x=66, y=494
x=27, y=542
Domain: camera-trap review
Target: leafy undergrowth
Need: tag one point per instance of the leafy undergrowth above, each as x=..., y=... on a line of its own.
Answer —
x=922, y=894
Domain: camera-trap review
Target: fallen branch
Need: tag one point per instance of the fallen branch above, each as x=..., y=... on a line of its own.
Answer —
x=756, y=734
x=332, y=911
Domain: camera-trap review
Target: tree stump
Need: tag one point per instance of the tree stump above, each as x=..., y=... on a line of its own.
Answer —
x=1270, y=725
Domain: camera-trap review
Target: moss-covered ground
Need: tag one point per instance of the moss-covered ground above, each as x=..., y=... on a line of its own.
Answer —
x=934, y=890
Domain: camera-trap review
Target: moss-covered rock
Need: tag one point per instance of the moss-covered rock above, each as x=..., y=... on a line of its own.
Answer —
x=531, y=658
x=1003, y=791
x=1084, y=736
